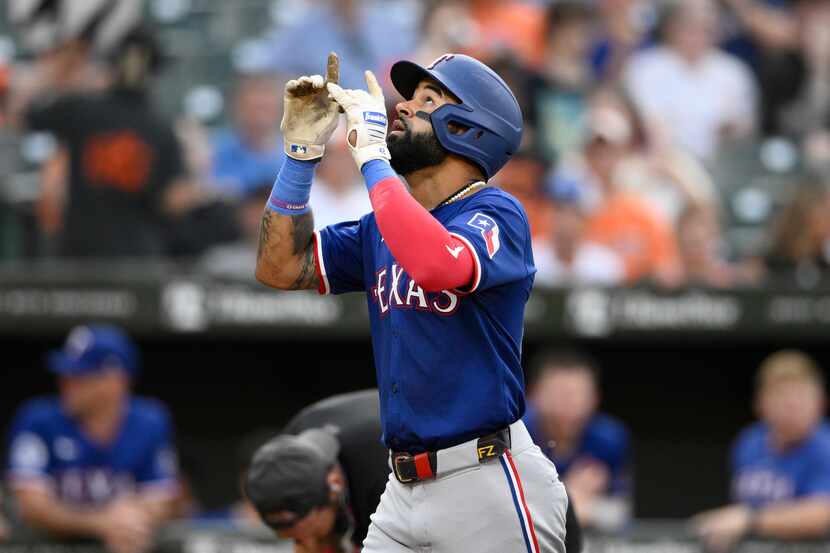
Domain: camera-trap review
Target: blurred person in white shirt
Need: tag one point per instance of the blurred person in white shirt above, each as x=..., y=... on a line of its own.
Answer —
x=690, y=92
x=567, y=257
x=664, y=174
x=338, y=193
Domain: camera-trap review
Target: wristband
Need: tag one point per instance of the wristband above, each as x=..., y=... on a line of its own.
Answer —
x=292, y=187
x=375, y=170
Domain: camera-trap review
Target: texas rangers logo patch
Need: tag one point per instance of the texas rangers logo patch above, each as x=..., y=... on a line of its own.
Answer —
x=489, y=231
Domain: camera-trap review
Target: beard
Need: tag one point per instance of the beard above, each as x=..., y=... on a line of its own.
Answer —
x=411, y=152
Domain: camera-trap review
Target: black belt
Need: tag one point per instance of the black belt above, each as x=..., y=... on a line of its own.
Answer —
x=409, y=468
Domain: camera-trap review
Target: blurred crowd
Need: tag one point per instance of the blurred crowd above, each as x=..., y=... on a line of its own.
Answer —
x=635, y=114
x=94, y=461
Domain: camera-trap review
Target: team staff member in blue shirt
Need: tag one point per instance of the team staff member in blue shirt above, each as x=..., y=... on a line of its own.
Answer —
x=590, y=449
x=446, y=265
x=780, y=465
x=94, y=462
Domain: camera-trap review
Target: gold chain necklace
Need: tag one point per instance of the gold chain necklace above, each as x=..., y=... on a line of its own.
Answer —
x=463, y=192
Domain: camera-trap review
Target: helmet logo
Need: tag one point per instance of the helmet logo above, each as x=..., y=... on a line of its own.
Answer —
x=439, y=59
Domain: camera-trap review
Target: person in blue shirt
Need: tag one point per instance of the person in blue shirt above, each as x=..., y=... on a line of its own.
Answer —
x=446, y=265
x=94, y=462
x=247, y=154
x=340, y=25
x=781, y=464
x=590, y=449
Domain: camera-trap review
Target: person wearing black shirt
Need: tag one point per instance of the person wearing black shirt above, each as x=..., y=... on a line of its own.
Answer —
x=320, y=480
x=124, y=159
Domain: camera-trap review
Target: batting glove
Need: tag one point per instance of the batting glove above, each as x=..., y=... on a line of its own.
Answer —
x=310, y=115
x=366, y=120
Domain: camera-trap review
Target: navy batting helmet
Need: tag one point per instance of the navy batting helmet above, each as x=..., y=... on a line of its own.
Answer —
x=488, y=108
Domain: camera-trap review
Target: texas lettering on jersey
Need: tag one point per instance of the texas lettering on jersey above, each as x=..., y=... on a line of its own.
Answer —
x=417, y=331
x=391, y=289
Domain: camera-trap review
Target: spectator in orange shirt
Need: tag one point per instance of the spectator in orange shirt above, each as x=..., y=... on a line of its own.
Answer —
x=523, y=177
x=511, y=25
x=623, y=221
x=565, y=257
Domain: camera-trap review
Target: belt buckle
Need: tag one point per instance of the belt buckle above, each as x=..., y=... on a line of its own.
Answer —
x=398, y=458
x=493, y=445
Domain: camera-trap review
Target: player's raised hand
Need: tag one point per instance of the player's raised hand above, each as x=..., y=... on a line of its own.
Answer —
x=366, y=119
x=310, y=115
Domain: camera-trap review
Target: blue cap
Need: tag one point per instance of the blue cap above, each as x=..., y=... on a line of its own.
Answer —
x=89, y=349
x=565, y=189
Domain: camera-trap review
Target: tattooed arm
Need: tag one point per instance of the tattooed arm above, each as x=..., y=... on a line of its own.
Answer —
x=285, y=258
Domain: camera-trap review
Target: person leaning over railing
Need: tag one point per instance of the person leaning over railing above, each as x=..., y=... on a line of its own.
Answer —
x=95, y=462
x=780, y=465
x=591, y=450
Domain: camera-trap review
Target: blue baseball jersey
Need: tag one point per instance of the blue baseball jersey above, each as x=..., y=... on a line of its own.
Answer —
x=448, y=363
x=762, y=475
x=48, y=447
x=604, y=440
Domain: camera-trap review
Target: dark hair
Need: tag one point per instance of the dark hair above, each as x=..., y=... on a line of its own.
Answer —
x=558, y=360
x=137, y=58
x=568, y=11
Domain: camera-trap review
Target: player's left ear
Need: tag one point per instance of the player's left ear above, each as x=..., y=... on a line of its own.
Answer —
x=336, y=481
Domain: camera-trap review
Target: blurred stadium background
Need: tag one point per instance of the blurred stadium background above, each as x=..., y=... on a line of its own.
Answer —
x=681, y=218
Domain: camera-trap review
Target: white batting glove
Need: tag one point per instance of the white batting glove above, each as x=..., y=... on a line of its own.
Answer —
x=366, y=120
x=310, y=115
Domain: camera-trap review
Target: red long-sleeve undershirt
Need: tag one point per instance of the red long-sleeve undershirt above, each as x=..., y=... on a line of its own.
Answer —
x=434, y=258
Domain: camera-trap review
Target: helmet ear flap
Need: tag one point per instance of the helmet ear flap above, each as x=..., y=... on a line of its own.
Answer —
x=472, y=141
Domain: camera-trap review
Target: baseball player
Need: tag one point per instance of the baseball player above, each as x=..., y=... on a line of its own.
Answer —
x=781, y=464
x=319, y=481
x=295, y=467
x=446, y=264
x=95, y=462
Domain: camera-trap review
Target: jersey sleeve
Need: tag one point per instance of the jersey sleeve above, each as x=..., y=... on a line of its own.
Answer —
x=498, y=235
x=338, y=253
x=29, y=458
x=159, y=468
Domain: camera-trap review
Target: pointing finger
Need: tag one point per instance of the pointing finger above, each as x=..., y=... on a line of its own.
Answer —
x=333, y=68
x=373, y=86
